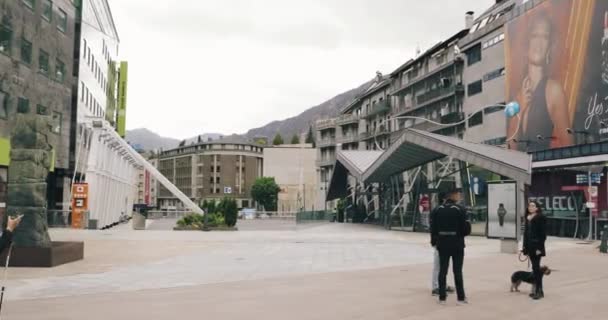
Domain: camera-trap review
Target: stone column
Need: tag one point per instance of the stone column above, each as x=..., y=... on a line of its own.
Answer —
x=31, y=160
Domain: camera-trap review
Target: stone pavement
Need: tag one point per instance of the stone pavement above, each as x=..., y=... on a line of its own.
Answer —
x=330, y=271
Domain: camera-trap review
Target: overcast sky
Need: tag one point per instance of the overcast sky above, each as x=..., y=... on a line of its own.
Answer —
x=226, y=66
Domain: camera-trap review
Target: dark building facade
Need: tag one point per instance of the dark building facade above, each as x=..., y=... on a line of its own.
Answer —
x=36, y=54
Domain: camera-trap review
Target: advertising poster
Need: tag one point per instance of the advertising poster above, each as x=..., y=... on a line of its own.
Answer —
x=502, y=208
x=557, y=70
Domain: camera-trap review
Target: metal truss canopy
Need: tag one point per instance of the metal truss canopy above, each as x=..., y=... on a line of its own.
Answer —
x=415, y=148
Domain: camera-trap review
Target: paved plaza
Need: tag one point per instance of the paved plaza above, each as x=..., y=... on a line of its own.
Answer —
x=277, y=270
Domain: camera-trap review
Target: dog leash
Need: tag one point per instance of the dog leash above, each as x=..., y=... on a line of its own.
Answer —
x=526, y=258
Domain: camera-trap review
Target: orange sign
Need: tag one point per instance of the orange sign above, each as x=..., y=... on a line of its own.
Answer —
x=80, y=203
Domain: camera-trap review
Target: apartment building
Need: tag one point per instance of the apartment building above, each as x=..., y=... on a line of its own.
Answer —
x=147, y=185
x=484, y=74
x=211, y=170
x=431, y=87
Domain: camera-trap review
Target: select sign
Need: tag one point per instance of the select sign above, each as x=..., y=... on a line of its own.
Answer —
x=227, y=190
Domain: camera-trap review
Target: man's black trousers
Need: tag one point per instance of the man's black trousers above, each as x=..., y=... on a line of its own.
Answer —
x=457, y=255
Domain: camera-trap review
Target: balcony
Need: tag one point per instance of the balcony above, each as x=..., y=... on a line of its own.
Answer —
x=329, y=161
x=379, y=108
x=326, y=142
x=434, y=95
x=348, y=119
x=348, y=138
x=325, y=124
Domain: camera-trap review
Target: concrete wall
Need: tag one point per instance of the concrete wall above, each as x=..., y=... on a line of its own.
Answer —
x=492, y=60
x=294, y=170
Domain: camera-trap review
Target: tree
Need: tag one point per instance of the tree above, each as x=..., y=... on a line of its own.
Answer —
x=309, y=137
x=229, y=210
x=295, y=139
x=278, y=140
x=265, y=192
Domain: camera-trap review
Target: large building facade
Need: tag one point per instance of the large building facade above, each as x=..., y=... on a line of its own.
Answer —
x=211, y=170
x=36, y=77
x=99, y=97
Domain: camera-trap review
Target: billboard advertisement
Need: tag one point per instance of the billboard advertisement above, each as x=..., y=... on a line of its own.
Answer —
x=502, y=208
x=121, y=114
x=557, y=70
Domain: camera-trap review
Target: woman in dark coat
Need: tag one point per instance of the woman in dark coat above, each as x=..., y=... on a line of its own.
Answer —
x=534, y=244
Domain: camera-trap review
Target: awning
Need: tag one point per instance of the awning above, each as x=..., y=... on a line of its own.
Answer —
x=415, y=148
x=354, y=163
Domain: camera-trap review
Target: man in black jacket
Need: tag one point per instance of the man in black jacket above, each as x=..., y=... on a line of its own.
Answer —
x=449, y=226
x=7, y=236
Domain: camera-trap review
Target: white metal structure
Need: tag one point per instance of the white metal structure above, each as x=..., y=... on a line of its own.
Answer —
x=138, y=159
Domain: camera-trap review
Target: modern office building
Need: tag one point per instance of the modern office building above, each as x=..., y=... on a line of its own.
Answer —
x=211, y=170
x=36, y=77
x=293, y=167
x=99, y=99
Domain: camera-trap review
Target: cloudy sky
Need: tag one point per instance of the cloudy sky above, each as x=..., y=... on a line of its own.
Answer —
x=226, y=66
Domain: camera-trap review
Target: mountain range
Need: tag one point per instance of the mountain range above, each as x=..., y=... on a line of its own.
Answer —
x=146, y=139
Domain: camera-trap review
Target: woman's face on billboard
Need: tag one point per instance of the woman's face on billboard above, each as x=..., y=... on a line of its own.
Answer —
x=540, y=34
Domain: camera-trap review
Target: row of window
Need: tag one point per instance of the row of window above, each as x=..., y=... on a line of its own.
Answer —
x=27, y=52
x=493, y=41
x=96, y=68
x=23, y=106
x=89, y=100
x=476, y=87
x=47, y=13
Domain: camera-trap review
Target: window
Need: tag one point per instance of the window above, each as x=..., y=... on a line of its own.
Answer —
x=474, y=88
x=218, y=169
x=494, y=74
x=41, y=110
x=217, y=190
x=473, y=54
x=59, y=70
x=6, y=37
x=30, y=3
x=210, y=179
x=84, y=48
x=476, y=120
x=211, y=190
x=26, y=51
x=43, y=62
x=23, y=105
x=47, y=10
x=498, y=107
x=4, y=98
x=217, y=179
x=62, y=22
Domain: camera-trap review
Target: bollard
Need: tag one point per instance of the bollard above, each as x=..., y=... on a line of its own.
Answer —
x=604, y=244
